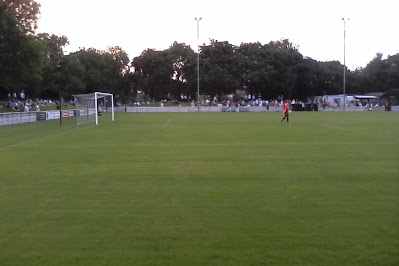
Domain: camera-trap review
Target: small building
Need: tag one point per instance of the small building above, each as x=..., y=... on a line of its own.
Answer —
x=351, y=100
x=391, y=97
x=365, y=100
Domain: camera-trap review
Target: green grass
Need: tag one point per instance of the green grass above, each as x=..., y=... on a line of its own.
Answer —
x=202, y=189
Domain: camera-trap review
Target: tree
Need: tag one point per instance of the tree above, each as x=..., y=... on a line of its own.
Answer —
x=100, y=72
x=270, y=70
x=183, y=60
x=53, y=55
x=320, y=78
x=305, y=84
x=20, y=52
x=257, y=69
x=380, y=75
x=374, y=75
x=153, y=71
x=329, y=78
x=23, y=12
x=70, y=77
x=285, y=60
x=219, y=72
x=118, y=64
x=120, y=59
x=53, y=46
x=86, y=71
x=392, y=63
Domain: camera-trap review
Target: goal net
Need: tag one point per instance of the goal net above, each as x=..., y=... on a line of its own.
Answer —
x=90, y=106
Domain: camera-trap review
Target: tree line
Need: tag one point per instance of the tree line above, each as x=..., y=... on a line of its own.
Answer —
x=36, y=64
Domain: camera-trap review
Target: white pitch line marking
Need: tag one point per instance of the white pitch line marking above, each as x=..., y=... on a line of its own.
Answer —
x=37, y=139
x=341, y=128
x=167, y=124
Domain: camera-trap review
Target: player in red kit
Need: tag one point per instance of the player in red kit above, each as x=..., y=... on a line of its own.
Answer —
x=286, y=111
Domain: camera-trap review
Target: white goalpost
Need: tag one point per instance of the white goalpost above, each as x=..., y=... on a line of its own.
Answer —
x=92, y=105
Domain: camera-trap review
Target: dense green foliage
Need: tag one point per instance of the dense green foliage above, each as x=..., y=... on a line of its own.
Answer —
x=37, y=65
x=20, y=51
x=202, y=189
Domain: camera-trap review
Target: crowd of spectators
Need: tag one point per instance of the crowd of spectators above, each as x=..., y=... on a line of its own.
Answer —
x=18, y=102
x=213, y=101
x=249, y=100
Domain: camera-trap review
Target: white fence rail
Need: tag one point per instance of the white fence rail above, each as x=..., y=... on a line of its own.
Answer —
x=17, y=118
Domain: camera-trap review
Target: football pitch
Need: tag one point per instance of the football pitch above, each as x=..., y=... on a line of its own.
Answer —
x=202, y=189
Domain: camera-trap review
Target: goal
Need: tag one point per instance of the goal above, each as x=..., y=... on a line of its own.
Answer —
x=90, y=106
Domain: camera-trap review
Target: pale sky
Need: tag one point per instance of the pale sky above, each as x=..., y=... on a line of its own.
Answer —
x=315, y=26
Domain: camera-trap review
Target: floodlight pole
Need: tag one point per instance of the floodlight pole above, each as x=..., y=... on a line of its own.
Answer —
x=344, y=85
x=198, y=71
